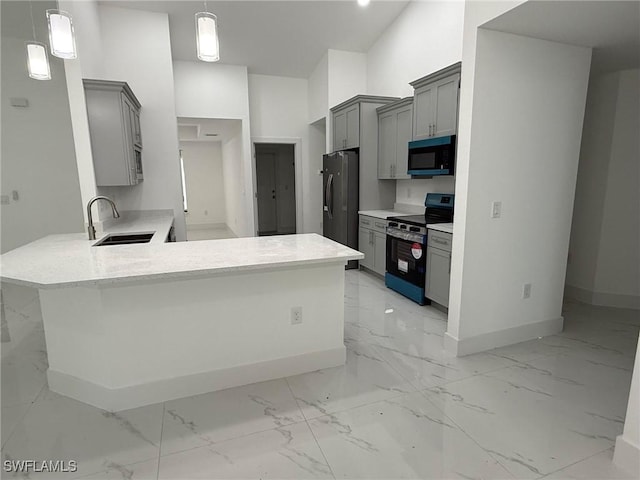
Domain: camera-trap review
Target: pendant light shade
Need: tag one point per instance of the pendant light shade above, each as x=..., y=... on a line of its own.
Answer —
x=61, y=36
x=37, y=61
x=208, y=48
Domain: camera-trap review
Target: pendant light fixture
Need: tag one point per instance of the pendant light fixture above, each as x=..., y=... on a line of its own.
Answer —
x=207, y=45
x=62, y=39
x=37, y=60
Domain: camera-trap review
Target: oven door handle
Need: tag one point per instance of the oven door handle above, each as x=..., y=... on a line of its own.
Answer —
x=408, y=236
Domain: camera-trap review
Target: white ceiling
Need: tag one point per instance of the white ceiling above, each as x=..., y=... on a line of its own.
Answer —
x=286, y=38
x=611, y=28
x=196, y=129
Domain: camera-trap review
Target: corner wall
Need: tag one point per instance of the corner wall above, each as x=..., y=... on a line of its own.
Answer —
x=534, y=180
x=604, y=253
x=38, y=152
x=137, y=49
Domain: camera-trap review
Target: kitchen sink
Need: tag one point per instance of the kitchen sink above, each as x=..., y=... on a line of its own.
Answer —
x=124, y=239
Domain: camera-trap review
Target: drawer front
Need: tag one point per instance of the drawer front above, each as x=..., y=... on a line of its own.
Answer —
x=372, y=223
x=440, y=240
x=380, y=225
x=366, y=222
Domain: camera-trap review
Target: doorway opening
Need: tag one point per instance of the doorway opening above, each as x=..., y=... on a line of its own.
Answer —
x=210, y=159
x=275, y=188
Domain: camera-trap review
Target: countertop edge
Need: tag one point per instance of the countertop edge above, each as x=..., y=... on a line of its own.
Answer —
x=178, y=276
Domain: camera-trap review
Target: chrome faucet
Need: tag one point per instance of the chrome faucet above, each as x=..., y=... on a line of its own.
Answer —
x=90, y=228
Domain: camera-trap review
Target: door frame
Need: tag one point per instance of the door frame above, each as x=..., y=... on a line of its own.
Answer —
x=297, y=161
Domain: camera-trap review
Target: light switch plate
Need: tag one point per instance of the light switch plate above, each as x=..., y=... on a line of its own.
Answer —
x=19, y=102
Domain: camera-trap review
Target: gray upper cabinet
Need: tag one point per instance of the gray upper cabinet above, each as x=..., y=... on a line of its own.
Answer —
x=114, y=127
x=394, y=134
x=354, y=124
x=435, y=103
x=346, y=128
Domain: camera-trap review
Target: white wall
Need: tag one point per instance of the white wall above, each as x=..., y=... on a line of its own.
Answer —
x=204, y=90
x=347, y=73
x=38, y=156
x=604, y=266
x=523, y=84
x=475, y=14
x=317, y=147
x=232, y=171
x=204, y=183
x=136, y=48
x=426, y=37
x=279, y=112
x=627, y=452
x=88, y=65
x=319, y=90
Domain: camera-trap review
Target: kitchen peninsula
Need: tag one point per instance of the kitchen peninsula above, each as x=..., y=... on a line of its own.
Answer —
x=131, y=325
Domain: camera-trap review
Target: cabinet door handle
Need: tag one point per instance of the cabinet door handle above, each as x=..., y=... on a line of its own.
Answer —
x=449, y=264
x=371, y=239
x=434, y=128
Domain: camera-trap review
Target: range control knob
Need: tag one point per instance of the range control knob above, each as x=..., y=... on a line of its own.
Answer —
x=403, y=227
x=414, y=229
x=393, y=224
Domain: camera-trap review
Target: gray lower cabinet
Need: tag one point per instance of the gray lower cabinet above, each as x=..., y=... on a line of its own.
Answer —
x=113, y=113
x=438, y=266
x=372, y=241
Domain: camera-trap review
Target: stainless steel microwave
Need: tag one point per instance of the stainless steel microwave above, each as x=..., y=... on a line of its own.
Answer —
x=432, y=156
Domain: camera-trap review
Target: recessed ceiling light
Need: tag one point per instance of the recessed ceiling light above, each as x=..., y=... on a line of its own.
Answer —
x=363, y=3
x=210, y=134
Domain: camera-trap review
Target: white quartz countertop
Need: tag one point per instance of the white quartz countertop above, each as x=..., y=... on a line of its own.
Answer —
x=71, y=260
x=383, y=214
x=441, y=227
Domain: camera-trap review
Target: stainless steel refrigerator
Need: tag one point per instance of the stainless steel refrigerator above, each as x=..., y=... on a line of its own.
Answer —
x=340, y=199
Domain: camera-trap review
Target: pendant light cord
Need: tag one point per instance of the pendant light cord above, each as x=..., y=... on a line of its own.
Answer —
x=33, y=26
x=205, y=6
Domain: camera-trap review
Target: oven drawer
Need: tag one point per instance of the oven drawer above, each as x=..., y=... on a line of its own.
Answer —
x=439, y=240
x=372, y=223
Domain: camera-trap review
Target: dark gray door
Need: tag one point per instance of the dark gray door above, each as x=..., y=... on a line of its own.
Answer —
x=275, y=178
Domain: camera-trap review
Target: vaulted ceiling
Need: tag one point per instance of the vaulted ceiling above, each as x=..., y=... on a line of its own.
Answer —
x=285, y=38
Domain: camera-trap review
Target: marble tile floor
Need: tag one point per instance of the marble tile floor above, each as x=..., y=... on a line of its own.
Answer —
x=399, y=408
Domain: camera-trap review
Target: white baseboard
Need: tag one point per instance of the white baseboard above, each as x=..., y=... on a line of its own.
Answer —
x=173, y=388
x=509, y=336
x=627, y=456
x=602, y=299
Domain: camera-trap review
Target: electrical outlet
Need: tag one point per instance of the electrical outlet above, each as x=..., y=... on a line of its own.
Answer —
x=526, y=290
x=296, y=315
x=496, y=209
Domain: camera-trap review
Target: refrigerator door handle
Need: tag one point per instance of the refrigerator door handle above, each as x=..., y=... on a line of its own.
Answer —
x=325, y=196
x=329, y=195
